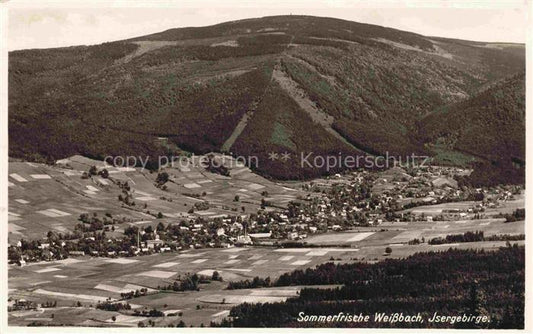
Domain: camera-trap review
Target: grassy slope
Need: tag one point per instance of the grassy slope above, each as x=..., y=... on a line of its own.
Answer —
x=276, y=127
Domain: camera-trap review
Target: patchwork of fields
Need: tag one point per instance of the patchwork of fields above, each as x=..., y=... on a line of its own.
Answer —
x=92, y=280
x=46, y=198
x=403, y=232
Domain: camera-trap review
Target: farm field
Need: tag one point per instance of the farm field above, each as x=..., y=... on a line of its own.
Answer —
x=215, y=304
x=46, y=198
x=91, y=280
x=403, y=232
x=508, y=207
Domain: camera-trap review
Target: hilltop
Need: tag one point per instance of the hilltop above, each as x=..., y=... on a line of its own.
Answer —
x=489, y=126
x=283, y=84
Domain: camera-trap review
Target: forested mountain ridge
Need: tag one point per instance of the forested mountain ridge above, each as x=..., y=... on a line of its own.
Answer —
x=274, y=84
x=489, y=126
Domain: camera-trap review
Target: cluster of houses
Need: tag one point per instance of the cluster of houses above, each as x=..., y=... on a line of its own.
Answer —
x=21, y=305
x=333, y=204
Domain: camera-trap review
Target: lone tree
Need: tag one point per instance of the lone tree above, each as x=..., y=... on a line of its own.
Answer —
x=161, y=179
x=388, y=250
x=104, y=173
x=93, y=170
x=216, y=276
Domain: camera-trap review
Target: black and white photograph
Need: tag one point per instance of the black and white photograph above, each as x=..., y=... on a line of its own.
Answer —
x=269, y=164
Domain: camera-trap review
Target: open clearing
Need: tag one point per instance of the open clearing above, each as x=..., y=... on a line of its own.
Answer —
x=166, y=265
x=53, y=213
x=18, y=177
x=70, y=295
x=47, y=270
x=40, y=176
x=157, y=274
x=199, y=261
x=111, y=288
x=360, y=236
x=122, y=261
x=407, y=231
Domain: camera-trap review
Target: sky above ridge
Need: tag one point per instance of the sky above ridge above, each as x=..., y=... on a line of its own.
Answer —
x=95, y=22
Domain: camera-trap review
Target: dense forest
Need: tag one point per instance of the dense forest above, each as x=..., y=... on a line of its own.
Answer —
x=490, y=126
x=454, y=282
x=379, y=90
